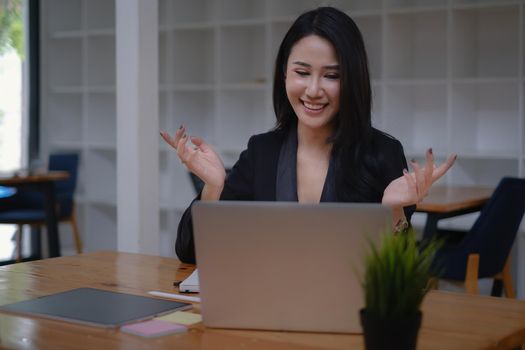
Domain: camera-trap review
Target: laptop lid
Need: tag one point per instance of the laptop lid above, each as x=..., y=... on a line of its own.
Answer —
x=284, y=265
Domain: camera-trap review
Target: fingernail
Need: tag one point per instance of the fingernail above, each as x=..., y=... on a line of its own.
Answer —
x=180, y=127
x=184, y=136
x=430, y=150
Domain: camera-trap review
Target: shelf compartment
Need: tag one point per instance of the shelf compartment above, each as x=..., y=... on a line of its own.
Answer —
x=246, y=43
x=482, y=173
x=417, y=46
x=360, y=6
x=80, y=191
x=393, y=4
x=241, y=115
x=100, y=174
x=195, y=110
x=173, y=12
x=65, y=62
x=165, y=115
x=279, y=8
x=165, y=59
x=485, y=118
x=174, y=194
x=66, y=231
x=63, y=15
x=278, y=30
x=485, y=42
x=417, y=116
x=101, y=226
x=193, y=50
x=477, y=3
x=371, y=28
x=65, y=118
x=100, y=14
x=232, y=10
x=101, y=61
x=101, y=119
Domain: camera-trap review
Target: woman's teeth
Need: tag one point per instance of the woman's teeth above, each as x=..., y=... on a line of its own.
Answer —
x=314, y=107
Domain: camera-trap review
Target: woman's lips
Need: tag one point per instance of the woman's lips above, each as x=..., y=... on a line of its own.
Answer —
x=314, y=107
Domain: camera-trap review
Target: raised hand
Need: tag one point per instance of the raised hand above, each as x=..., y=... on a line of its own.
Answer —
x=201, y=159
x=412, y=187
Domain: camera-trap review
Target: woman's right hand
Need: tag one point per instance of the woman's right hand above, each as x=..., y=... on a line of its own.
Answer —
x=202, y=160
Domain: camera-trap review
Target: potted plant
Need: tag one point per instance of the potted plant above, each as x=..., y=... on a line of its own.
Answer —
x=398, y=275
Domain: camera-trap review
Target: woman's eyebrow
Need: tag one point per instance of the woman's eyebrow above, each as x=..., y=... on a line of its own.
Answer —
x=304, y=64
x=299, y=63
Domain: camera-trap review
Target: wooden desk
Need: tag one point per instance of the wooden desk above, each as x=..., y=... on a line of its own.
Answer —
x=43, y=182
x=450, y=321
x=448, y=201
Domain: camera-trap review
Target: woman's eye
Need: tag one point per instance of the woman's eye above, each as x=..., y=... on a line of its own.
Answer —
x=333, y=76
x=301, y=73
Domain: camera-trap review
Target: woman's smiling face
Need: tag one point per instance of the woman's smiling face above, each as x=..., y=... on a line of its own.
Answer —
x=313, y=82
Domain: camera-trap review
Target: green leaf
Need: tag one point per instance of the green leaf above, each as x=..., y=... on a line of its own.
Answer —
x=397, y=274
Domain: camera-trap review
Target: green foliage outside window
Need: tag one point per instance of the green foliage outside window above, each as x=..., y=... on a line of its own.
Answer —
x=11, y=27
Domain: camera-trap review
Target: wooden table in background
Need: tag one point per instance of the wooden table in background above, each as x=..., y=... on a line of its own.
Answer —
x=448, y=201
x=43, y=182
x=450, y=321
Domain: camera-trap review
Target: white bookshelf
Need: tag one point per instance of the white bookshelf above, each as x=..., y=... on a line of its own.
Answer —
x=449, y=74
x=78, y=108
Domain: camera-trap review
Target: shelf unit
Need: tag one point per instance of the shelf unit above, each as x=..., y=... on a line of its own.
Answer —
x=78, y=108
x=445, y=73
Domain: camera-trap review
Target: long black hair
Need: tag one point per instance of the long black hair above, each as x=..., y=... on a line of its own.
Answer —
x=353, y=130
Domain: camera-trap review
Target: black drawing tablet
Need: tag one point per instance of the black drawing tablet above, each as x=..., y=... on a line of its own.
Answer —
x=95, y=307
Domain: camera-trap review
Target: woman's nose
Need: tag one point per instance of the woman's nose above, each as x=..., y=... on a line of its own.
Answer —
x=313, y=89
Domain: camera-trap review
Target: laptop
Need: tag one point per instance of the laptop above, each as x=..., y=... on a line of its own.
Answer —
x=284, y=265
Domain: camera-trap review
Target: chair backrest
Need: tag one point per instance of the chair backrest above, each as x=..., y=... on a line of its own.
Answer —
x=65, y=189
x=65, y=162
x=493, y=233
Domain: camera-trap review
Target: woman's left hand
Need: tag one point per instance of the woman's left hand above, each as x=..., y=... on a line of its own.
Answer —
x=411, y=188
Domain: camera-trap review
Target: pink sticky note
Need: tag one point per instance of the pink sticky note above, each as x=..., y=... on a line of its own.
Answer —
x=153, y=328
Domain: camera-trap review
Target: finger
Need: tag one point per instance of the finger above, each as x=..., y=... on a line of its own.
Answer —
x=179, y=133
x=182, y=149
x=429, y=167
x=443, y=168
x=411, y=183
x=420, y=177
x=200, y=144
x=170, y=141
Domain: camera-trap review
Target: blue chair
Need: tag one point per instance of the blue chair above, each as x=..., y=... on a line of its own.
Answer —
x=27, y=208
x=484, y=251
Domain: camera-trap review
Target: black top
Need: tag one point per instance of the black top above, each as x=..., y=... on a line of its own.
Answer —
x=254, y=178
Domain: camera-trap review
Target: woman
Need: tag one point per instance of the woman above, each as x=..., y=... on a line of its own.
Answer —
x=323, y=147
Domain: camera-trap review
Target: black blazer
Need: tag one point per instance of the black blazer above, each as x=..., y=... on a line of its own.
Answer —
x=253, y=178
